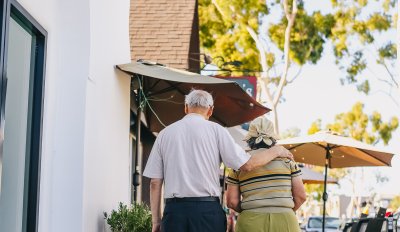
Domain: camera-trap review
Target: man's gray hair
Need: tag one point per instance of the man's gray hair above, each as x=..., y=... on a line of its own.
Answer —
x=199, y=98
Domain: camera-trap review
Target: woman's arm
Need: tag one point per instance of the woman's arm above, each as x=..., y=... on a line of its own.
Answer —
x=298, y=192
x=233, y=197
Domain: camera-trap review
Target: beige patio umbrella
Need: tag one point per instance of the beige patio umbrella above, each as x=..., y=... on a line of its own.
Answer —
x=334, y=151
x=310, y=176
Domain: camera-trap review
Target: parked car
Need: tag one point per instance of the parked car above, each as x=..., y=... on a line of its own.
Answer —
x=314, y=224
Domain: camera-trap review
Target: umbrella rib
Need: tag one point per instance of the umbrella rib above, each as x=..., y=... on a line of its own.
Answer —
x=336, y=146
x=166, y=90
x=373, y=157
x=291, y=148
x=154, y=85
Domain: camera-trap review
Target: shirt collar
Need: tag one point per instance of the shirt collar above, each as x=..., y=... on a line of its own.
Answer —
x=194, y=115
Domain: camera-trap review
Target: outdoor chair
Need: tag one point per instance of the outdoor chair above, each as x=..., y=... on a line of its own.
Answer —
x=360, y=225
x=370, y=224
x=347, y=227
x=376, y=225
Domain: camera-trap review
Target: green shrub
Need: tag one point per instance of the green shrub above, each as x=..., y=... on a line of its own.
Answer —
x=136, y=218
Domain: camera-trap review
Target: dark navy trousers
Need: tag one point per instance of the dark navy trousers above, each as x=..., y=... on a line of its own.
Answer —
x=193, y=217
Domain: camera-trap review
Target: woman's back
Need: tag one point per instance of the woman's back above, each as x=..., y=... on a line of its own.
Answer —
x=268, y=188
x=268, y=196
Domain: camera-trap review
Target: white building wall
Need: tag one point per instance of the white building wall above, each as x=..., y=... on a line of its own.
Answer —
x=107, y=158
x=85, y=150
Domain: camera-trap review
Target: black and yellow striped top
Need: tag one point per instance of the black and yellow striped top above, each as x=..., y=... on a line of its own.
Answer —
x=266, y=187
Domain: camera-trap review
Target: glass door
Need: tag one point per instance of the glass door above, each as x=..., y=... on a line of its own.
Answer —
x=15, y=157
x=22, y=78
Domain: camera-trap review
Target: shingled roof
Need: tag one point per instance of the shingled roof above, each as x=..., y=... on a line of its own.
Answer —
x=165, y=31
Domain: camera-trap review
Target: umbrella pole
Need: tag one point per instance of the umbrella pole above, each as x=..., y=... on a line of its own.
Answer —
x=325, y=194
x=136, y=178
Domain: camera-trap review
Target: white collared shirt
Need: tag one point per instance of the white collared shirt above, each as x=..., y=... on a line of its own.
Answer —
x=187, y=155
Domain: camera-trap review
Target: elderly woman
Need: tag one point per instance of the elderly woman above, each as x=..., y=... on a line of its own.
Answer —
x=267, y=197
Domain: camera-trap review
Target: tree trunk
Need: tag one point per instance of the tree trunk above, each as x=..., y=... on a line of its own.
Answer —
x=291, y=16
x=286, y=50
x=272, y=99
x=264, y=88
x=275, y=118
x=263, y=62
x=264, y=80
x=354, y=206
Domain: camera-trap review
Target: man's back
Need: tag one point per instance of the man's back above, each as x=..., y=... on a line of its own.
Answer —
x=190, y=151
x=191, y=157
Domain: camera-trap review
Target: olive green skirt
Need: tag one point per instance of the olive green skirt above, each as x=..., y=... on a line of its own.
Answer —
x=249, y=221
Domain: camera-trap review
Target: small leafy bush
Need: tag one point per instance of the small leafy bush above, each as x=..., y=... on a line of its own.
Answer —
x=136, y=218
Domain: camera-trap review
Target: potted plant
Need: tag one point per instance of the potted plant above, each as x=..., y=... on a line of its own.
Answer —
x=134, y=218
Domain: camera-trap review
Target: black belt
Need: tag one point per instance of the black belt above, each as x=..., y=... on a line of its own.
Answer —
x=191, y=199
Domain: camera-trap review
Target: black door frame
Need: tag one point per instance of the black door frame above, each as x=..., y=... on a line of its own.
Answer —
x=8, y=9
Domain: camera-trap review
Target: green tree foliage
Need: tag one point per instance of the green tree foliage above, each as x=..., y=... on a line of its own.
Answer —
x=223, y=32
x=395, y=203
x=237, y=30
x=307, y=38
x=359, y=33
x=233, y=30
x=357, y=124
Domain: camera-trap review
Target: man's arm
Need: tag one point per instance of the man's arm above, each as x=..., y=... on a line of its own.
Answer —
x=264, y=156
x=155, y=203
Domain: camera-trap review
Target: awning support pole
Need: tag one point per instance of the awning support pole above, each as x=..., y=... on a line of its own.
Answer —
x=136, y=178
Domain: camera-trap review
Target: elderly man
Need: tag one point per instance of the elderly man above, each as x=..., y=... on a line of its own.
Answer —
x=186, y=156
